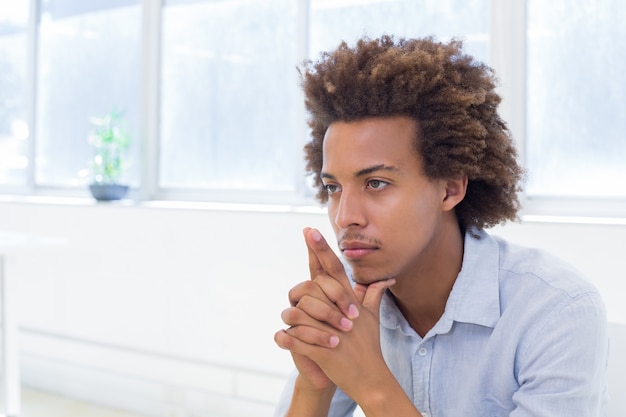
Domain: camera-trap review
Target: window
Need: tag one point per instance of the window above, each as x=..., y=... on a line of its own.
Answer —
x=333, y=21
x=229, y=95
x=576, y=97
x=89, y=64
x=14, y=130
x=231, y=107
x=223, y=118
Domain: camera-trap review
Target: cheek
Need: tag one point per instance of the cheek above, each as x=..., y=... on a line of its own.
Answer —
x=423, y=207
x=411, y=220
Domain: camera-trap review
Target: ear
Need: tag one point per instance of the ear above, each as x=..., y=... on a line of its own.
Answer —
x=455, y=192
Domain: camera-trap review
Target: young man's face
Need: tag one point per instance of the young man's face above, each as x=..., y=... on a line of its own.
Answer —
x=385, y=212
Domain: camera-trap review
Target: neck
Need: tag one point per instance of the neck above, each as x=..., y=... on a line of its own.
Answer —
x=422, y=295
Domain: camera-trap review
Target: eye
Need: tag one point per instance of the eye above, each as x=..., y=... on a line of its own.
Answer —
x=377, y=184
x=331, y=188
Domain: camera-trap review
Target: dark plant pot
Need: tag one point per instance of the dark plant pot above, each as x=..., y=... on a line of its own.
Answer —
x=108, y=192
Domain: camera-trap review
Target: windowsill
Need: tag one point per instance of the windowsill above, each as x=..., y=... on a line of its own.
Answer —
x=534, y=217
x=591, y=220
x=162, y=204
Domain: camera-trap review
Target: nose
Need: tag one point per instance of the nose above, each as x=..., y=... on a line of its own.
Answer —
x=350, y=210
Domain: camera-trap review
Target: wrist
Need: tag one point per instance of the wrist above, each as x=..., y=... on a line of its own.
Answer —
x=394, y=401
x=310, y=401
x=304, y=387
x=384, y=395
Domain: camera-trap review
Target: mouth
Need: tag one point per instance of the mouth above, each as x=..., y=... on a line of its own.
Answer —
x=356, y=250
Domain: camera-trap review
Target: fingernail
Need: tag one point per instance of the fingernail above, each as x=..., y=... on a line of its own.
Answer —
x=333, y=341
x=346, y=324
x=316, y=235
x=353, y=311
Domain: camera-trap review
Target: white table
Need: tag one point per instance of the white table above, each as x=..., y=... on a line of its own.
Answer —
x=11, y=244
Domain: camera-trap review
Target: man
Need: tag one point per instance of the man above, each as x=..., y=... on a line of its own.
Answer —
x=443, y=319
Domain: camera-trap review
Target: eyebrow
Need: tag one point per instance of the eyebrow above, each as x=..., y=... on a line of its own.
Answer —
x=365, y=171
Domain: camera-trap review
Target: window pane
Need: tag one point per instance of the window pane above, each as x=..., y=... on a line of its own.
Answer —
x=89, y=65
x=576, y=93
x=335, y=20
x=14, y=131
x=229, y=95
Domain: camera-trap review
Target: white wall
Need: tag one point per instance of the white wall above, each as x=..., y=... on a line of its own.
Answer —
x=172, y=312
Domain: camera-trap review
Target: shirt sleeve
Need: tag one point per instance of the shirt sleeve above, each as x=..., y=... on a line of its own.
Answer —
x=341, y=405
x=562, y=363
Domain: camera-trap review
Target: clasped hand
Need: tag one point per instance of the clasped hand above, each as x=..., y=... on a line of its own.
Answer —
x=333, y=334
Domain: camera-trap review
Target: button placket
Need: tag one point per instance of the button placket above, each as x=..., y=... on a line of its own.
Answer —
x=422, y=362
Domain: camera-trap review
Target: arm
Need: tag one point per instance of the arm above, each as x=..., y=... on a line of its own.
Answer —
x=563, y=363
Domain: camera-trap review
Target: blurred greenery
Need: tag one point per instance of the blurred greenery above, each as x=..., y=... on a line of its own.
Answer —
x=110, y=141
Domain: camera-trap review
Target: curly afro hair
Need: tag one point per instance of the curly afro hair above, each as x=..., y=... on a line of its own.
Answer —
x=449, y=94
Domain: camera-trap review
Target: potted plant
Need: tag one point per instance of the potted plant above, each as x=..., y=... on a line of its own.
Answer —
x=110, y=141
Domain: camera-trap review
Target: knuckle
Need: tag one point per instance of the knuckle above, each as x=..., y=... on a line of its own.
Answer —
x=297, y=292
x=288, y=342
x=279, y=338
x=290, y=315
x=327, y=313
x=304, y=302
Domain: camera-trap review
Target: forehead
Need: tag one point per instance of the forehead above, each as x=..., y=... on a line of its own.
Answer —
x=371, y=141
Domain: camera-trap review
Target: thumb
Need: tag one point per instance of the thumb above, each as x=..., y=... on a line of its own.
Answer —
x=371, y=295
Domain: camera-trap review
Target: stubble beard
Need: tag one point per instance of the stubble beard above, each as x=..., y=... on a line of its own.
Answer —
x=364, y=278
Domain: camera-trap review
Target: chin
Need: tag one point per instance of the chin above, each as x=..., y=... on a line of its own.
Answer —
x=365, y=276
x=367, y=280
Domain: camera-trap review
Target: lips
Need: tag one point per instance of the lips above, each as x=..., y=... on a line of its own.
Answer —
x=357, y=250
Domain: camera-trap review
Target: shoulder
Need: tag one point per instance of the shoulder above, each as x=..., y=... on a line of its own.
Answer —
x=521, y=266
x=533, y=286
x=552, y=327
x=546, y=304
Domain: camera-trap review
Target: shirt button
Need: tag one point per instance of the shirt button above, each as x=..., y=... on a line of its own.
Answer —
x=424, y=414
x=422, y=352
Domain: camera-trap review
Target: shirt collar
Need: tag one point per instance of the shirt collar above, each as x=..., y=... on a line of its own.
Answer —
x=475, y=295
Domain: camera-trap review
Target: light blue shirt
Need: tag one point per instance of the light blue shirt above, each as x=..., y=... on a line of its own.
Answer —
x=523, y=334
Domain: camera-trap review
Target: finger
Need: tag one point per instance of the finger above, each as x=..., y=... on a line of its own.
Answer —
x=344, y=300
x=311, y=336
x=323, y=261
x=315, y=267
x=306, y=288
x=321, y=311
x=326, y=258
x=370, y=296
x=286, y=341
x=309, y=331
x=316, y=313
x=322, y=298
